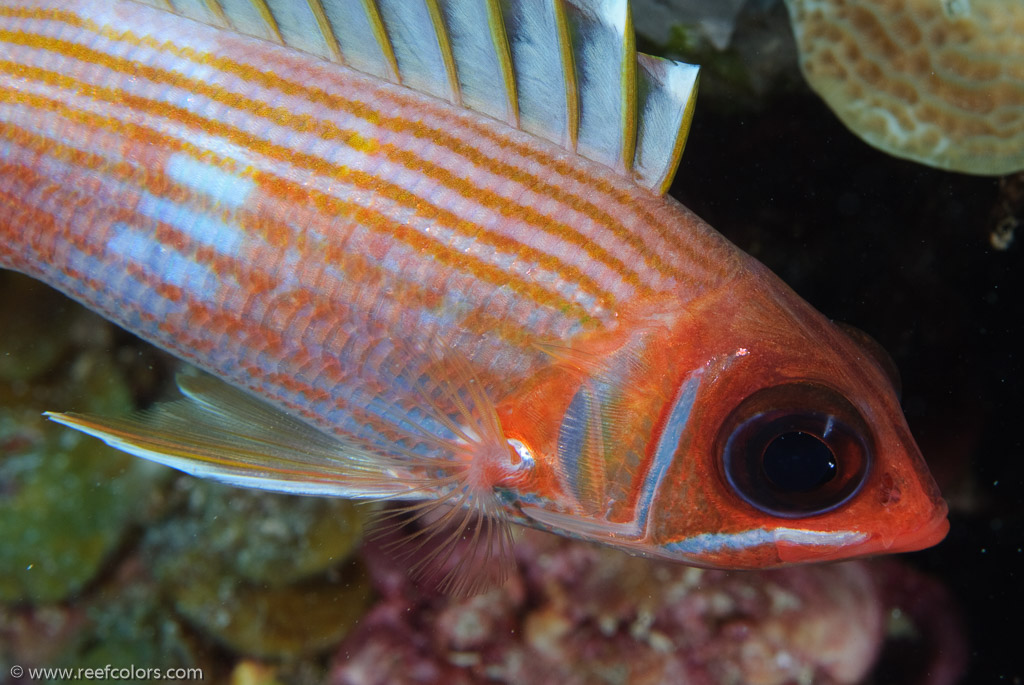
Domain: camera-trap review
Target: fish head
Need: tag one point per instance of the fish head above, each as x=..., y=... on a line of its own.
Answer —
x=794, y=448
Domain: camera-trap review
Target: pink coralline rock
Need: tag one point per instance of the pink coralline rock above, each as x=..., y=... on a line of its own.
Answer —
x=575, y=613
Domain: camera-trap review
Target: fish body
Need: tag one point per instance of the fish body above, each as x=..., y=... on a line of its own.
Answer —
x=424, y=282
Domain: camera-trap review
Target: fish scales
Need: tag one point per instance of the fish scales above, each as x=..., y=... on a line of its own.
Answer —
x=288, y=224
x=503, y=194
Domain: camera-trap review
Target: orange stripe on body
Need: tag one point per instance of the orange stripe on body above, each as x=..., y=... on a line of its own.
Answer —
x=624, y=195
x=442, y=138
x=408, y=293
x=227, y=327
x=325, y=130
x=374, y=114
x=197, y=316
x=156, y=184
x=284, y=189
x=321, y=309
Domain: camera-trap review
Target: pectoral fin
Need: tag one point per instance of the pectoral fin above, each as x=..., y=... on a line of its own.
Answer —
x=219, y=432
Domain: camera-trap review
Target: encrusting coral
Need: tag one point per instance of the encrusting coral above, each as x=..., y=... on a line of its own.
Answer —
x=939, y=82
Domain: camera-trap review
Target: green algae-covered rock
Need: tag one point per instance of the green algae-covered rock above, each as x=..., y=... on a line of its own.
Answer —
x=127, y=627
x=65, y=499
x=266, y=575
x=258, y=536
x=278, y=621
x=30, y=343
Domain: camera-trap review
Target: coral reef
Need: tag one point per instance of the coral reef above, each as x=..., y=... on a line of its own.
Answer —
x=576, y=613
x=271, y=582
x=65, y=501
x=935, y=82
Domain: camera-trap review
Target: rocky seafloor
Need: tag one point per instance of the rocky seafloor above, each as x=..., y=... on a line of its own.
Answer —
x=105, y=559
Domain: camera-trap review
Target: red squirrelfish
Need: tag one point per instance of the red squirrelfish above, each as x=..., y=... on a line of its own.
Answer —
x=423, y=250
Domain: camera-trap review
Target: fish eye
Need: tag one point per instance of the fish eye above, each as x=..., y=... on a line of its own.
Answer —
x=794, y=450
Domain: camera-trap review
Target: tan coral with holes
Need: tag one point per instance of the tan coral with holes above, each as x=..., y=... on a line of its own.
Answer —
x=937, y=81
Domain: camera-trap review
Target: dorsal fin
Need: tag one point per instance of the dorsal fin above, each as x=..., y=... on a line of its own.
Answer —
x=422, y=49
x=564, y=70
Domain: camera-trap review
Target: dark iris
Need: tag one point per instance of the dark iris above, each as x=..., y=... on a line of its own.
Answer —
x=795, y=450
x=798, y=462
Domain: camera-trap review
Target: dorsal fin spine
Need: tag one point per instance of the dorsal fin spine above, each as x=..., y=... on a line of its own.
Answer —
x=628, y=94
x=499, y=37
x=381, y=36
x=263, y=9
x=218, y=11
x=445, y=46
x=681, y=138
x=326, y=30
x=572, y=102
x=665, y=102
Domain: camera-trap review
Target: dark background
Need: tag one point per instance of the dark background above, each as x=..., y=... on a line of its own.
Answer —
x=904, y=253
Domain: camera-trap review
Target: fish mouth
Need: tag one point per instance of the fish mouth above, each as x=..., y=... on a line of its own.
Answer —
x=928, y=535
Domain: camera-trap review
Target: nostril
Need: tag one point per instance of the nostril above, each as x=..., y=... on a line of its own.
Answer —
x=889, y=491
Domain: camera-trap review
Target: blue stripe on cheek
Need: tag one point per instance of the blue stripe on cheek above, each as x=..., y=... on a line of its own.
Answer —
x=716, y=542
x=667, y=445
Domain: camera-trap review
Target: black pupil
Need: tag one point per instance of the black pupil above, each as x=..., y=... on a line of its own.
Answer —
x=798, y=462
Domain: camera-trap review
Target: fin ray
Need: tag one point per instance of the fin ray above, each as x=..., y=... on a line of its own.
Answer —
x=463, y=544
x=538, y=41
x=361, y=38
x=323, y=22
x=246, y=16
x=222, y=433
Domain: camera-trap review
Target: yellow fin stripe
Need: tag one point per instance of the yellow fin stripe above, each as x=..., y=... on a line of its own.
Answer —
x=381, y=36
x=326, y=30
x=569, y=74
x=629, y=96
x=445, y=46
x=263, y=9
x=218, y=12
x=499, y=37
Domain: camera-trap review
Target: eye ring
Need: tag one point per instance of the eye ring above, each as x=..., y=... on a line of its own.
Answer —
x=795, y=450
